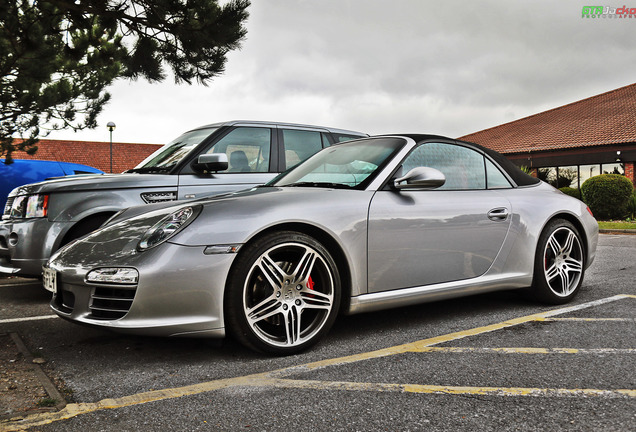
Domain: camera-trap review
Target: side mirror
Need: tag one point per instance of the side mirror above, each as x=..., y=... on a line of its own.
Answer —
x=420, y=178
x=211, y=162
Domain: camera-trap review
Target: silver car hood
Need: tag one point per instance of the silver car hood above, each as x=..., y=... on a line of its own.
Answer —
x=226, y=219
x=97, y=182
x=231, y=218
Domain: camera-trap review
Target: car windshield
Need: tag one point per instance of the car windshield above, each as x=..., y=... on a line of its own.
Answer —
x=165, y=158
x=347, y=166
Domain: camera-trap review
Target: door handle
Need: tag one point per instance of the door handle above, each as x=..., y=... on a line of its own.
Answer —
x=498, y=214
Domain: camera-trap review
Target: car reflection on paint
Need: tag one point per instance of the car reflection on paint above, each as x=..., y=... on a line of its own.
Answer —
x=367, y=225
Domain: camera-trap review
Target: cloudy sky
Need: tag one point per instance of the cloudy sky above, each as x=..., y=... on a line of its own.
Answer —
x=389, y=66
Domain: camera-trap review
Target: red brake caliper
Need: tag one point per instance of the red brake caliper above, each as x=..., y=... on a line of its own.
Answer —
x=310, y=283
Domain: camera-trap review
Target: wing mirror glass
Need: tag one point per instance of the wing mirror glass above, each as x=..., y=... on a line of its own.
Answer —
x=211, y=162
x=421, y=178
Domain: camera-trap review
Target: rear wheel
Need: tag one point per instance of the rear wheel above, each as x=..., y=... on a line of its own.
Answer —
x=283, y=293
x=559, y=263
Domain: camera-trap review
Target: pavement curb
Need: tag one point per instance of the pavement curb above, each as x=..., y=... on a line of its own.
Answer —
x=41, y=377
x=617, y=231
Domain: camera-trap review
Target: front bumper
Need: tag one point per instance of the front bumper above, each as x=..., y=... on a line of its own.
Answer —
x=179, y=293
x=25, y=245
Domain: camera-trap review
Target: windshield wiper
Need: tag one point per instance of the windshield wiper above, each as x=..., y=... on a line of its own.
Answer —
x=148, y=170
x=319, y=184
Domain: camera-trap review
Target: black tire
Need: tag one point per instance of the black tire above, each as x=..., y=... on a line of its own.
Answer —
x=283, y=293
x=559, y=264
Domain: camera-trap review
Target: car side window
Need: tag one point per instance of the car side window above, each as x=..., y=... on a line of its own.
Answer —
x=247, y=149
x=339, y=137
x=463, y=167
x=298, y=145
x=494, y=177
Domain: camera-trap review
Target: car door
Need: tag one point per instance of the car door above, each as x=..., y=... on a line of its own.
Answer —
x=250, y=154
x=454, y=232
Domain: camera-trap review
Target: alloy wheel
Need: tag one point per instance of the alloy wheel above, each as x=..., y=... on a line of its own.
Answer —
x=563, y=261
x=288, y=295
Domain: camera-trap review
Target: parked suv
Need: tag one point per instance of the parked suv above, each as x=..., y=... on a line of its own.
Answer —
x=39, y=218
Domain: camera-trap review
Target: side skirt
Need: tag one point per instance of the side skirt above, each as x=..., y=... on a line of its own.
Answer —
x=430, y=293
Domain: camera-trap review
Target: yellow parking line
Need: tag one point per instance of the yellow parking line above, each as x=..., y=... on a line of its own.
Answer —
x=274, y=378
x=587, y=319
x=417, y=346
x=24, y=319
x=73, y=410
x=455, y=390
x=527, y=350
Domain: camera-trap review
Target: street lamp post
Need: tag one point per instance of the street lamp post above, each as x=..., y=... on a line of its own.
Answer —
x=111, y=127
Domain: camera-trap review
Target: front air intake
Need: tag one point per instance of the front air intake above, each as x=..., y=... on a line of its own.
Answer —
x=111, y=302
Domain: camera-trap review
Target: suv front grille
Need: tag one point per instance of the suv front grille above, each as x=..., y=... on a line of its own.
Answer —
x=110, y=302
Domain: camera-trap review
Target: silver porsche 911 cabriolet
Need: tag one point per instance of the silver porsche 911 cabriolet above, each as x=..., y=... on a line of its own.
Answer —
x=371, y=224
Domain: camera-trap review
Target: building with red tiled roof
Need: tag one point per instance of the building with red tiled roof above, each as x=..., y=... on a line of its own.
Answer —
x=573, y=142
x=91, y=153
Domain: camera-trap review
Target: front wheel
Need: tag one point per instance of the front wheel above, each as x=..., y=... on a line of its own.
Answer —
x=283, y=293
x=559, y=263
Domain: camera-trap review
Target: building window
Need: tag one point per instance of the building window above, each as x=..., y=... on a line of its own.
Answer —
x=575, y=175
x=588, y=171
x=568, y=176
x=614, y=168
x=547, y=174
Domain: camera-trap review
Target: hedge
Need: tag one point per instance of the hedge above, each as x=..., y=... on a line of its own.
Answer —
x=573, y=192
x=608, y=195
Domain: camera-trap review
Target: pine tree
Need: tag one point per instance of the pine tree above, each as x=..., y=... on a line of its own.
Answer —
x=57, y=57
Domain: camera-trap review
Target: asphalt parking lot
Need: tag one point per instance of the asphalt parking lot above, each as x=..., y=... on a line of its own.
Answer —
x=490, y=362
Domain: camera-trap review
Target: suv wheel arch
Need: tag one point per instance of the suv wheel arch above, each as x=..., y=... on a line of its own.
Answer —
x=84, y=226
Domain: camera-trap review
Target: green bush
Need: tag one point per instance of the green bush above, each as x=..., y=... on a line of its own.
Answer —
x=573, y=192
x=608, y=195
x=631, y=207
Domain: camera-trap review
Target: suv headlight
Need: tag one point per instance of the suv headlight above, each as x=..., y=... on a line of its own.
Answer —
x=37, y=206
x=168, y=227
x=27, y=206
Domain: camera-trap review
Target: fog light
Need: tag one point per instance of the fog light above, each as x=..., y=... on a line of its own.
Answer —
x=115, y=275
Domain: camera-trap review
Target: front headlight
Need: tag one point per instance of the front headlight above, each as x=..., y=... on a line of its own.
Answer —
x=114, y=275
x=27, y=206
x=168, y=227
x=37, y=206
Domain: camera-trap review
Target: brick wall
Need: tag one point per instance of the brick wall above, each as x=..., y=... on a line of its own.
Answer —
x=91, y=153
x=629, y=171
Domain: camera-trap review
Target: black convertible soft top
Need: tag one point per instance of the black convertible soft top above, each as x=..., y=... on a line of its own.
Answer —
x=518, y=176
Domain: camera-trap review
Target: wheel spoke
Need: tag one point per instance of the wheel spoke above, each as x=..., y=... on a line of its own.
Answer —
x=569, y=244
x=272, y=272
x=292, y=325
x=573, y=265
x=263, y=310
x=305, y=266
x=565, y=281
x=552, y=272
x=554, y=245
x=317, y=300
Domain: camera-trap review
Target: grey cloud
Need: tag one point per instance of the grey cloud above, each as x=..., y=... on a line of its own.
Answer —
x=450, y=67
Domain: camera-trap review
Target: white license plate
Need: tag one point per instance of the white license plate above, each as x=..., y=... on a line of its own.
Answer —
x=49, y=279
